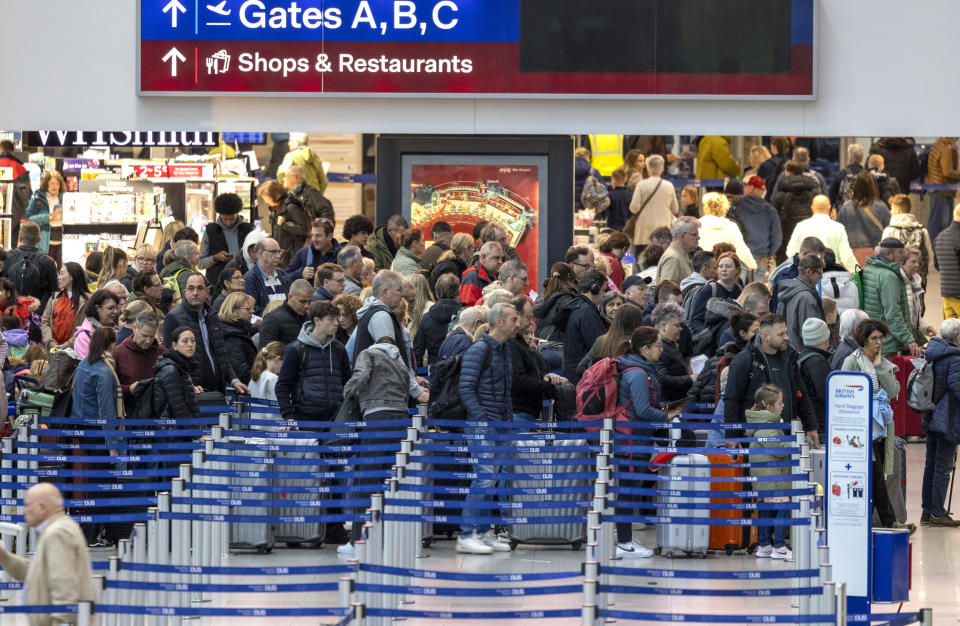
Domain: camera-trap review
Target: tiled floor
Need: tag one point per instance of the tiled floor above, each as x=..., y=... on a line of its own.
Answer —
x=936, y=579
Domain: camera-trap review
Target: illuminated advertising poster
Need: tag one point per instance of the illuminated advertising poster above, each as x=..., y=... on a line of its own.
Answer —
x=463, y=195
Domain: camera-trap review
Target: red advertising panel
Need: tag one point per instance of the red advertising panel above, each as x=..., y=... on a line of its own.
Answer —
x=463, y=195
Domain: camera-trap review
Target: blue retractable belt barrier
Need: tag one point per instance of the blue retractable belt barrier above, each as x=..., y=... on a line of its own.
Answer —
x=45, y=608
x=475, y=615
x=464, y=577
x=643, y=491
x=702, y=521
x=718, y=619
x=115, y=609
x=282, y=488
x=459, y=592
x=647, y=572
x=673, y=591
x=235, y=571
x=225, y=588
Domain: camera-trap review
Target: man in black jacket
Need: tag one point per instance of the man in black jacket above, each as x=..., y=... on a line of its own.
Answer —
x=768, y=359
x=585, y=323
x=33, y=273
x=223, y=239
x=433, y=327
x=211, y=367
x=284, y=324
x=532, y=379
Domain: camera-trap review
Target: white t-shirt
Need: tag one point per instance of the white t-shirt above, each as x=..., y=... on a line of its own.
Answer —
x=264, y=388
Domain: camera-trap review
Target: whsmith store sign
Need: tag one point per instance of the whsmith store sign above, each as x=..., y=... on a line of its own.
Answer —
x=643, y=48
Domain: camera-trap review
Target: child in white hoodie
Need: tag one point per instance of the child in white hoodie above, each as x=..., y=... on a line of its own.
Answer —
x=263, y=378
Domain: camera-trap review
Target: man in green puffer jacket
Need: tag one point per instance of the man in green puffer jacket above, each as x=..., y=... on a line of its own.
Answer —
x=885, y=297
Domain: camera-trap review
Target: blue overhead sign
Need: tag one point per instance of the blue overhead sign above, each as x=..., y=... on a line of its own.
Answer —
x=330, y=20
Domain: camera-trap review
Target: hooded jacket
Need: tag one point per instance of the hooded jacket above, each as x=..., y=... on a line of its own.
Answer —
x=382, y=247
x=760, y=418
x=707, y=386
x=885, y=298
x=847, y=347
x=472, y=283
x=672, y=374
x=173, y=394
x=552, y=314
x=749, y=371
x=406, y=263
x=486, y=378
x=379, y=380
x=794, y=196
x=798, y=301
x=433, y=329
x=714, y=230
x=945, y=417
x=584, y=325
x=311, y=379
x=761, y=226
x=450, y=266
x=899, y=159
x=529, y=388
x=38, y=211
x=698, y=311
x=717, y=319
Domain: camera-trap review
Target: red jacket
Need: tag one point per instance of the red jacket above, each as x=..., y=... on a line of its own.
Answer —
x=617, y=275
x=8, y=160
x=472, y=284
x=134, y=363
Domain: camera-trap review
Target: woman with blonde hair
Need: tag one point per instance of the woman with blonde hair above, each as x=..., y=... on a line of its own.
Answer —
x=114, y=267
x=758, y=154
x=715, y=228
x=455, y=260
x=144, y=259
x=235, y=315
x=45, y=208
x=263, y=379
x=421, y=303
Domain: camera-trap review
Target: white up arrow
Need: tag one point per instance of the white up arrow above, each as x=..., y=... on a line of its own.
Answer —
x=173, y=7
x=173, y=56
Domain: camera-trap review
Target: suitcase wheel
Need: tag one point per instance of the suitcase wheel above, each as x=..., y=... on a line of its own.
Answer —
x=264, y=550
x=514, y=544
x=576, y=545
x=730, y=549
x=670, y=554
x=315, y=545
x=425, y=542
x=292, y=544
x=701, y=555
x=657, y=550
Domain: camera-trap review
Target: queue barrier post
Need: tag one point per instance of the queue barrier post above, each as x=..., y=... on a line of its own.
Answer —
x=418, y=423
x=359, y=614
x=113, y=573
x=799, y=536
x=139, y=545
x=7, y=509
x=219, y=546
x=345, y=587
x=361, y=556
x=197, y=529
x=375, y=552
x=926, y=617
x=826, y=573
x=829, y=598
x=163, y=541
x=406, y=533
x=841, y=604
x=391, y=542
x=592, y=598
x=85, y=614
x=180, y=532
x=209, y=546
x=153, y=556
x=124, y=551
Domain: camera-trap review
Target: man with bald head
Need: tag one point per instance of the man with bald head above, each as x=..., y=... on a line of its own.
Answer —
x=60, y=572
x=831, y=233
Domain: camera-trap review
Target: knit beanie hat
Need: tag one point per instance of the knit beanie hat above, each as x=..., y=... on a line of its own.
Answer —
x=814, y=332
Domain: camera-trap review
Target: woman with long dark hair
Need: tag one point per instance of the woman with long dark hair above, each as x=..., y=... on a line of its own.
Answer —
x=616, y=341
x=64, y=313
x=561, y=288
x=101, y=310
x=640, y=393
x=174, y=394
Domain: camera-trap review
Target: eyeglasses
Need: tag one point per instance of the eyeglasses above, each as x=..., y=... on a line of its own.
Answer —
x=277, y=251
x=876, y=338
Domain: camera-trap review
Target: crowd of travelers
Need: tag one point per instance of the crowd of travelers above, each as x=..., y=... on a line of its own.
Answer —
x=745, y=298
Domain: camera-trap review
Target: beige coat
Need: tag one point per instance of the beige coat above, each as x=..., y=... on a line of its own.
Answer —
x=60, y=572
x=661, y=210
x=675, y=265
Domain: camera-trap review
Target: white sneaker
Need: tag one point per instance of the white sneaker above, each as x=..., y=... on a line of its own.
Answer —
x=783, y=554
x=763, y=552
x=472, y=544
x=347, y=549
x=493, y=541
x=633, y=550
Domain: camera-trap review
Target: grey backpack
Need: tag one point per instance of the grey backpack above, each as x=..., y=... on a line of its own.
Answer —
x=920, y=384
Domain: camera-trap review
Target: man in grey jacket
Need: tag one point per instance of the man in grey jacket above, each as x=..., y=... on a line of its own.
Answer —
x=799, y=300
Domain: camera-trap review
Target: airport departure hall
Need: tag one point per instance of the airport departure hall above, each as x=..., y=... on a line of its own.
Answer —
x=450, y=312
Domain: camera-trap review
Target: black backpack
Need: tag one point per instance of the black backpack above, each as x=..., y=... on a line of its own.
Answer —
x=445, y=400
x=27, y=273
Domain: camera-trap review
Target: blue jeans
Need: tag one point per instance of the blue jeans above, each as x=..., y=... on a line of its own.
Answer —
x=941, y=214
x=779, y=532
x=936, y=473
x=488, y=464
x=716, y=436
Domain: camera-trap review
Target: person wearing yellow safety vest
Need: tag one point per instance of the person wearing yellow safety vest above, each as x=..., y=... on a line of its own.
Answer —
x=607, y=153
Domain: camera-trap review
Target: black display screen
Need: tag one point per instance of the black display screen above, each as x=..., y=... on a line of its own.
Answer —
x=661, y=36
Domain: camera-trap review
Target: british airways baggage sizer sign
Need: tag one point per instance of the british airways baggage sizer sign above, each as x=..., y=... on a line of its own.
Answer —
x=635, y=48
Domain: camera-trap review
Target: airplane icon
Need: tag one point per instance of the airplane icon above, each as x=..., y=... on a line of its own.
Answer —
x=219, y=8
